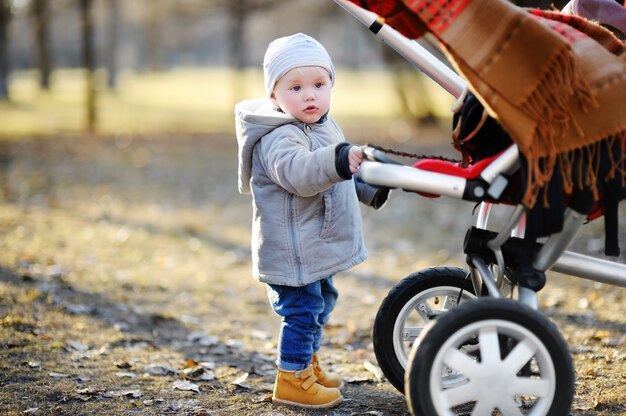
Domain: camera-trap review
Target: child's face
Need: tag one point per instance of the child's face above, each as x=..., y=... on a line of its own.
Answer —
x=304, y=93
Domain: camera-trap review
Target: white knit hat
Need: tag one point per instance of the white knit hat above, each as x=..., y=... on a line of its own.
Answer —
x=289, y=52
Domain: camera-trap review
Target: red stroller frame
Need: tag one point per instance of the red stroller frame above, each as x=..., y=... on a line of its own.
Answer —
x=491, y=352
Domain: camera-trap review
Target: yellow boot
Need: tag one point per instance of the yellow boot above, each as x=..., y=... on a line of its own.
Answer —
x=300, y=388
x=325, y=378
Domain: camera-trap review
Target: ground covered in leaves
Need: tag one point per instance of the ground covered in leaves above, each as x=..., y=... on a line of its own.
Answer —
x=125, y=287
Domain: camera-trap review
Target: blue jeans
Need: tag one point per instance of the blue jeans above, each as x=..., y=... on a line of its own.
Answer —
x=304, y=310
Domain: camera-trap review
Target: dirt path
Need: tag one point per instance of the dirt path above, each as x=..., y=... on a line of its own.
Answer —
x=125, y=287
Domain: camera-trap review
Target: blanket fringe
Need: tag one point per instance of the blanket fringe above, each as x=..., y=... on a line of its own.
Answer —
x=579, y=168
x=548, y=105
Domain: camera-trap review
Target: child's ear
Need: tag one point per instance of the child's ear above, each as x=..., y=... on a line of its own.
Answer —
x=275, y=101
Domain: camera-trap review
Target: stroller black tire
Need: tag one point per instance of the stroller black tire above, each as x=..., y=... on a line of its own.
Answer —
x=390, y=344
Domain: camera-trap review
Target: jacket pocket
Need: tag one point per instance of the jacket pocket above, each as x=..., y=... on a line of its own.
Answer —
x=328, y=214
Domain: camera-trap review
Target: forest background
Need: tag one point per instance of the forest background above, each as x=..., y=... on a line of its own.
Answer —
x=125, y=284
x=110, y=66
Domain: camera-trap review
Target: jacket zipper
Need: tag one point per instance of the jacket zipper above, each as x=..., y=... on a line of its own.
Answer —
x=294, y=246
x=307, y=130
x=292, y=224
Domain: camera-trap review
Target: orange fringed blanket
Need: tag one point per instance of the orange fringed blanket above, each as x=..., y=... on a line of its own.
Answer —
x=556, y=90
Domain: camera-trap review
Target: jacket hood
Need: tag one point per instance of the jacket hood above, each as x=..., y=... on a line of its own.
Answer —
x=253, y=120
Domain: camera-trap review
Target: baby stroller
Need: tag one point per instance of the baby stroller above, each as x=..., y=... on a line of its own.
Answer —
x=473, y=341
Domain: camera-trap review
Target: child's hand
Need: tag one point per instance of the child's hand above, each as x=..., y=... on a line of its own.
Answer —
x=355, y=157
x=348, y=158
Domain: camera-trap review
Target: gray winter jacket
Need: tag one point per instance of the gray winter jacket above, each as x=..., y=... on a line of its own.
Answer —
x=306, y=221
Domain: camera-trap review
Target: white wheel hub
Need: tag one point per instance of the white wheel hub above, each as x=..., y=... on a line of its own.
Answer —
x=492, y=382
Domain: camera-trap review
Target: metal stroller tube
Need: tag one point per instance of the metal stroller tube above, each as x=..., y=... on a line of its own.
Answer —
x=486, y=275
x=504, y=235
x=557, y=243
x=591, y=268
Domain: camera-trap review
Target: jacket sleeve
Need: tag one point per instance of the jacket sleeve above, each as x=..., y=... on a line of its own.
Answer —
x=290, y=162
x=370, y=195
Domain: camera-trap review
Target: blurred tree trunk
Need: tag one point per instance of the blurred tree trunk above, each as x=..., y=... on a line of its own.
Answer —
x=42, y=23
x=5, y=18
x=415, y=102
x=237, y=15
x=111, y=53
x=239, y=12
x=154, y=35
x=88, y=63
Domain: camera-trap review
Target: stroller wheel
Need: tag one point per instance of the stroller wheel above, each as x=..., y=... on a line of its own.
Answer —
x=521, y=364
x=408, y=308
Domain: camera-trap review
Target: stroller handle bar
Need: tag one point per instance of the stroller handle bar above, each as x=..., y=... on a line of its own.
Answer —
x=419, y=180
